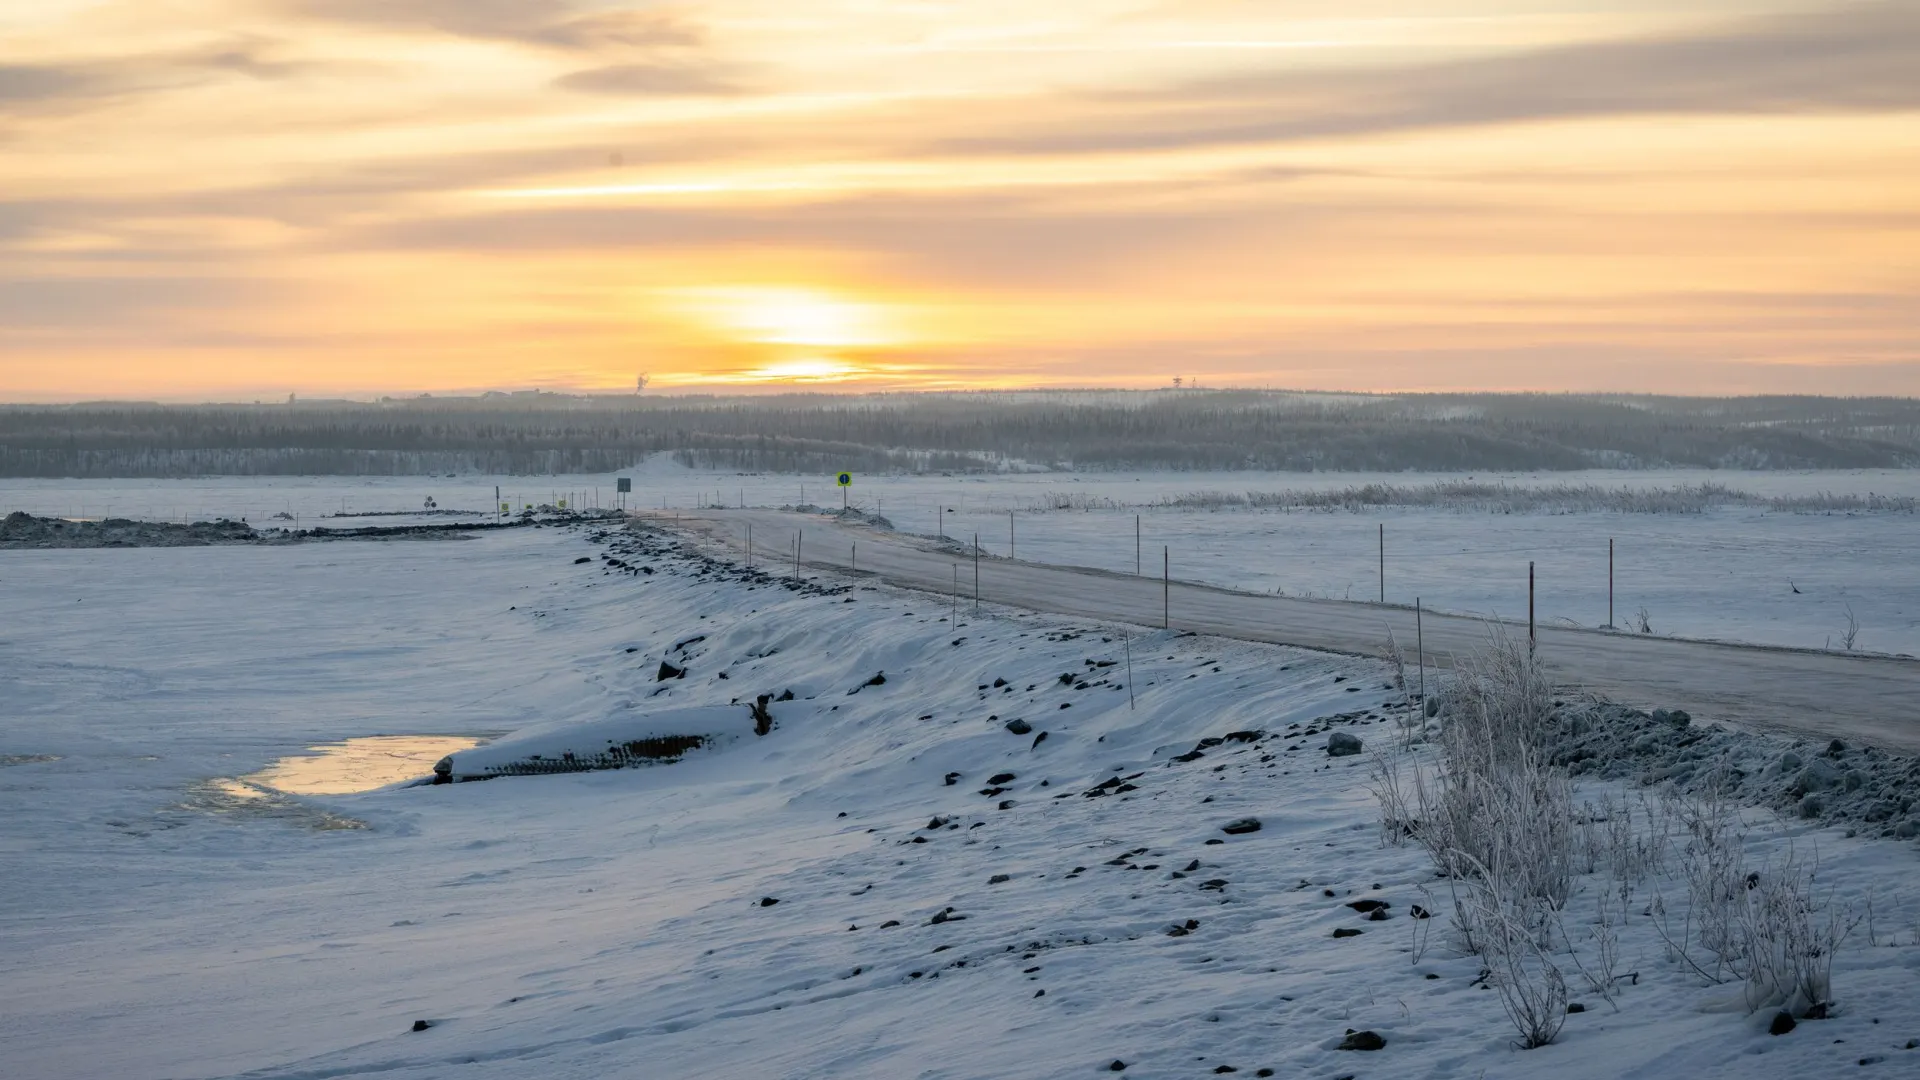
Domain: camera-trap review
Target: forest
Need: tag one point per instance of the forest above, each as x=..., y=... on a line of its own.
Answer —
x=542, y=433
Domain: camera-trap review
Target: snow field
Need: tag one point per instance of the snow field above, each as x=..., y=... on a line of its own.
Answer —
x=614, y=924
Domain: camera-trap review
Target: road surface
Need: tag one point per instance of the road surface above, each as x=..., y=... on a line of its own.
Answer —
x=1859, y=698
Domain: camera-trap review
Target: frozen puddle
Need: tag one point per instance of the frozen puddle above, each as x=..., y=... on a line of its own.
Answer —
x=358, y=764
x=342, y=768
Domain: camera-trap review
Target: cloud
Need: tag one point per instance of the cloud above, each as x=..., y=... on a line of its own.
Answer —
x=650, y=79
x=1856, y=58
x=32, y=83
x=555, y=24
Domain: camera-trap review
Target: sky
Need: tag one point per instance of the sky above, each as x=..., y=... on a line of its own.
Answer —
x=233, y=199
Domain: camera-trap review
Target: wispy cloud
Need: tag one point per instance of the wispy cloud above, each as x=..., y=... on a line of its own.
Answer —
x=558, y=24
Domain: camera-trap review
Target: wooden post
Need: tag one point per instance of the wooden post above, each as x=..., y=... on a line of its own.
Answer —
x=1166, y=588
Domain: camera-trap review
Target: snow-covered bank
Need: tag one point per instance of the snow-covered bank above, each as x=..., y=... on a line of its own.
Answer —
x=609, y=924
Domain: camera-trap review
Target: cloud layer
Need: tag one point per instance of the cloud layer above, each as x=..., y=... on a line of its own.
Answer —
x=312, y=194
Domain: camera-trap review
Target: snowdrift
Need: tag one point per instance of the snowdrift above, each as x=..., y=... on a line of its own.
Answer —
x=650, y=738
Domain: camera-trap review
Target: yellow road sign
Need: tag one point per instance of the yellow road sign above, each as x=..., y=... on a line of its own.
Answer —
x=845, y=479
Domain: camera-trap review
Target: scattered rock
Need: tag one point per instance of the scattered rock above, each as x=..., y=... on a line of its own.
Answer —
x=1341, y=744
x=1117, y=1066
x=1345, y=931
x=1783, y=1022
x=769, y=901
x=1019, y=727
x=583, y=559
x=1362, y=1040
x=1001, y=778
x=952, y=778
x=422, y=1025
x=1241, y=826
x=1365, y=906
x=1575, y=1007
x=668, y=671
x=999, y=879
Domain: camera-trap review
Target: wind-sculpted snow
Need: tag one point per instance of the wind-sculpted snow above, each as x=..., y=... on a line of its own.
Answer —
x=889, y=882
x=637, y=737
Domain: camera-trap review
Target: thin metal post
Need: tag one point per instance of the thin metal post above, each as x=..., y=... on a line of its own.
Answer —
x=976, y=572
x=1127, y=640
x=1609, y=582
x=1009, y=534
x=853, y=557
x=1531, y=640
x=749, y=545
x=953, y=610
x=1136, y=545
x=1383, y=562
x=1420, y=647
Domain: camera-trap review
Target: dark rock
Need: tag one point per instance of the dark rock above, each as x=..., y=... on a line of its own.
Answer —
x=999, y=878
x=1341, y=744
x=583, y=559
x=1191, y=755
x=1190, y=867
x=1345, y=931
x=1575, y=1007
x=422, y=1025
x=1365, y=906
x=879, y=679
x=998, y=683
x=1362, y=1040
x=1783, y=1022
x=952, y=778
x=768, y=901
x=1117, y=1066
x=1241, y=826
x=1216, y=884
x=1419, y=912
x=1001, y=778
x=1019, y=727
x=1816, y=1011
x=668, y=671
x=1378, y=915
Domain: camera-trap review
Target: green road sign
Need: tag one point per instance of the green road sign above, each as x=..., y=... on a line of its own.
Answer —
x=845, y=479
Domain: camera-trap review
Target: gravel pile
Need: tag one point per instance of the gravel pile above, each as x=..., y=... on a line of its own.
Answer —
x=1875, y=792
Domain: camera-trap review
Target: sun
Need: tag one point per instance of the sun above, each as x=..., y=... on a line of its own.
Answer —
x=790, y=315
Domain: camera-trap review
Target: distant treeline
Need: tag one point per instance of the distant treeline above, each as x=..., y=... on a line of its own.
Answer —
x=1502, y=498
x=961, y=432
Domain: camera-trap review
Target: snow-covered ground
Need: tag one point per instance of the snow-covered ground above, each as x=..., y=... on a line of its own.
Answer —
x=783, y=905
x=1728, y=574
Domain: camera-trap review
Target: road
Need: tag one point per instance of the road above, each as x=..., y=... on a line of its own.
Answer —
x=1858, y=698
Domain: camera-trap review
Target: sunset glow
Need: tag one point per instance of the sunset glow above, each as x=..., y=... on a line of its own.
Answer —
x=245, y=198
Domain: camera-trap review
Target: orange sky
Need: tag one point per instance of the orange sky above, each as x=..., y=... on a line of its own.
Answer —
x=243, y=198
